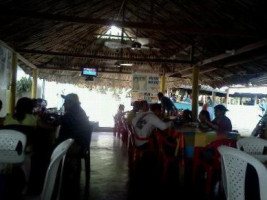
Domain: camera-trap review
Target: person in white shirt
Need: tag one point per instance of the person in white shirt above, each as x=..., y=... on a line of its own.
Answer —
x=145, y=122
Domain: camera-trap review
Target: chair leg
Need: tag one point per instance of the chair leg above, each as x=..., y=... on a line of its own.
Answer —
x=165, y=172
x=87, y=168
x=209, y=182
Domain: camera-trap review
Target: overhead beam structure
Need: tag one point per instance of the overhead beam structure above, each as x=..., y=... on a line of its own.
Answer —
x=77, y=55
x=124, y=24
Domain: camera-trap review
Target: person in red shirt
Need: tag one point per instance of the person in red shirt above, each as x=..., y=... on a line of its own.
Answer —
x=221, y=123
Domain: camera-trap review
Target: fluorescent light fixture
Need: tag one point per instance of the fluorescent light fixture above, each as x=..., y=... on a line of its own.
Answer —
x=126, y=64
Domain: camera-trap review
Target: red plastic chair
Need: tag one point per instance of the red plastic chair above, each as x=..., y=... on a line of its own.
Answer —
x=209, y=159
x=164, y=158
x=123, y=130
x=136, y=154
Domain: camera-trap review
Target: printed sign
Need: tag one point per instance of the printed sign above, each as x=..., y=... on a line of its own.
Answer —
x=145, y=87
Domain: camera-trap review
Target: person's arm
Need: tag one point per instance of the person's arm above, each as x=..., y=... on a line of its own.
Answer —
x=212, y=125
x=155, y=121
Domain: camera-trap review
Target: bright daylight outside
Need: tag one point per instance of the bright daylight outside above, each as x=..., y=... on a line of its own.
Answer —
x=102, y=105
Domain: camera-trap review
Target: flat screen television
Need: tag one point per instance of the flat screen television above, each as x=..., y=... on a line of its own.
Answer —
x=89, y=71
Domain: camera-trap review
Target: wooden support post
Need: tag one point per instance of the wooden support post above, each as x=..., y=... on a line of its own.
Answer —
x=162, y=83
x=213, y=97
x=256, y=100
x=227, y=97
x=13, y=81
x=195, y=91
x=34, y=84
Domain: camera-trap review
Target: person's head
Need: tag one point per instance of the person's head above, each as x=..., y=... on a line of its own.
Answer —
x=136, y=105
x=24, y=106
x=144, y=106
x=160, y=95
x=70, y=101
x=1, y=105
x=37, y=104
x=156, y=108
x=121, y=107
x=204, y=116
x=220, y=110
x=187, y=115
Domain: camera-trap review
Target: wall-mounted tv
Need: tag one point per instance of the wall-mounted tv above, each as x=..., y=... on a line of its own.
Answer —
x=89, y=71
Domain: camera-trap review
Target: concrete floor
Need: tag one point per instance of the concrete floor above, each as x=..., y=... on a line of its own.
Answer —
x=110, y=177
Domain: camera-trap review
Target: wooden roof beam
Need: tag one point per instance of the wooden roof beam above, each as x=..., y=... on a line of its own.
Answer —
x=242, y=50
x=134, y=25
x=77, y=55
x=20, y=57
x=220, y=57
x=104, y=70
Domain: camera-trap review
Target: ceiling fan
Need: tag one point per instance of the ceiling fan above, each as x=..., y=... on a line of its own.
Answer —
x=136, y=44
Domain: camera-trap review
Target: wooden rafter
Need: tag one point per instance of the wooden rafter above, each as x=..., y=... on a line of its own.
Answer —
x=152, y=60
x=107, y=22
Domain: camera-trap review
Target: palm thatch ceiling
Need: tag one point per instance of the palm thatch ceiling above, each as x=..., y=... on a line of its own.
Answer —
x=226, y=39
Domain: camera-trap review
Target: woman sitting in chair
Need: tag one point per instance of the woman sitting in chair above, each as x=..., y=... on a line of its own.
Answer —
x=23, y=114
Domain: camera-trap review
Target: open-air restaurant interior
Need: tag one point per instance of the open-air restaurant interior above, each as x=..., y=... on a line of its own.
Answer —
x=131, y=99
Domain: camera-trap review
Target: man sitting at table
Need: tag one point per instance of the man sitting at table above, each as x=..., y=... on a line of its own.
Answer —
x=145, y=122
x=221, y=123
x=74, y=124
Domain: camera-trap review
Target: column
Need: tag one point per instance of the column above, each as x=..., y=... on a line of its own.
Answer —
x=195, y=90
x=162, y=83
x=13, y=81
x=227, y=97
x=34, y=84
x=256, y=100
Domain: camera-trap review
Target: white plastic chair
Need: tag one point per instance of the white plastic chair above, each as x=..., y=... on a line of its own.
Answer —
x=252, y=145
x=57, y=156
x=234, y=165
x=9, y=139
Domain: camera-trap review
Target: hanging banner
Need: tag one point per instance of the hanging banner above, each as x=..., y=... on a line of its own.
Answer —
x=145, y=87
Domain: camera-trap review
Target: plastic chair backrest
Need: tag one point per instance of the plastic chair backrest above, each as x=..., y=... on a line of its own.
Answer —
x=57, y=156
x=252, y=145
x=234, y=165
x=9, y=139
x=136, y=138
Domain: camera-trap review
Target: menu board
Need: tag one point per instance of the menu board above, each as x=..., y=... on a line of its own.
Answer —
x=145, y=87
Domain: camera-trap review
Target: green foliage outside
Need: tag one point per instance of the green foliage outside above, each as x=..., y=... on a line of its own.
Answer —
x=23, y=85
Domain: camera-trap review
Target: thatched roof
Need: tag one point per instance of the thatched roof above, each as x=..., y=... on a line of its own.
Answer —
x=226, y=39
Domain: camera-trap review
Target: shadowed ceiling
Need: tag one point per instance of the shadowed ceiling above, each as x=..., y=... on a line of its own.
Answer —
x=226, y=39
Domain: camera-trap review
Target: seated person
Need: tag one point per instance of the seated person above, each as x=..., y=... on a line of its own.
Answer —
x=132, y=113
x=119, y=113
x=145, y=122
x=221, y=123
x=187, y=117
x=38, y=141
x=23, y=114
x=75, y=123
x=117, y=119
x=144, y=106
x=39, y=106
x=204, y=117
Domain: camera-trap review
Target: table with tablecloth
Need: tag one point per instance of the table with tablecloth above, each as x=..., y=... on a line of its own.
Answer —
x=193, y=138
